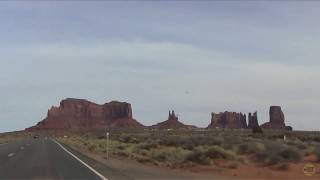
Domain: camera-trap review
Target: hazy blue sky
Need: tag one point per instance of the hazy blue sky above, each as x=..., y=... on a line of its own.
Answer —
x=236, y=56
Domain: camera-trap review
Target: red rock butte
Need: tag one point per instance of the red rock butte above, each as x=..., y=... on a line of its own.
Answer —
x=171, y=123
x=80, y=114
x=277, y=120
x=232, y=120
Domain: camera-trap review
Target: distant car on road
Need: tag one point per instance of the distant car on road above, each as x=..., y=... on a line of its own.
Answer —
x=36, y=137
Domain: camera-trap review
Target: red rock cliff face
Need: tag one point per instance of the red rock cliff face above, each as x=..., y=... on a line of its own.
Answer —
x=227, y=119
x=276, y=119
x=79, y=114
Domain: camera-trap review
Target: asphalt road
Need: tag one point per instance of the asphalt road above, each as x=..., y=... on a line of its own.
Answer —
x=41, y=159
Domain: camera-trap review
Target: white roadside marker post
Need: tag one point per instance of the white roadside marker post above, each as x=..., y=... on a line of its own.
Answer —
x=107, y=145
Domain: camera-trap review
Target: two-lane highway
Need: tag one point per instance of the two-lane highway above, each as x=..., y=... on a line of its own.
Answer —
x=41, y=159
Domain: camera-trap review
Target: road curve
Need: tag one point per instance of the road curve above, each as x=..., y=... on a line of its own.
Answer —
x=41, y=159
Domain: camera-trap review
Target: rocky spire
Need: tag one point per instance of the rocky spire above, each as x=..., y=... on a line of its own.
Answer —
x=253, y=120
x=172, y=116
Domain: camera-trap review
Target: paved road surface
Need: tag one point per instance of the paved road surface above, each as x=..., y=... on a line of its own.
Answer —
x=40, y=159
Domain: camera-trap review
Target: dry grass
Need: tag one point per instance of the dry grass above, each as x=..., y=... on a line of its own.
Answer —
x=174, y=148
x=317, y=153
x=14, y=136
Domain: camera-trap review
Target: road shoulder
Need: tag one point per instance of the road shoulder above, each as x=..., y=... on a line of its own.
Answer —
x=128, y=169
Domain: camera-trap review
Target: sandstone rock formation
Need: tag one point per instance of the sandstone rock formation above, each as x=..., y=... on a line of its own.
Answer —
x=253, y=120
x=80, y=114
x=227, y=119
x=276, y=119
x=257, y=130
x=171, y=123
x=172, y=116
x=254, y=124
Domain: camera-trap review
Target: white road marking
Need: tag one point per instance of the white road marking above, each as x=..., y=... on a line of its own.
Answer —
x=11, y=154
x=93, y=170
x=21, y=147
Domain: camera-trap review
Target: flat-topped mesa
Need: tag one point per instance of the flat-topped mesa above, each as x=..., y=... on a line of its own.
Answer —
x=277, y=120
x=253, y=120
x=232, y=120
x=84, y=108
x=171, y=123
x=80, y=114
